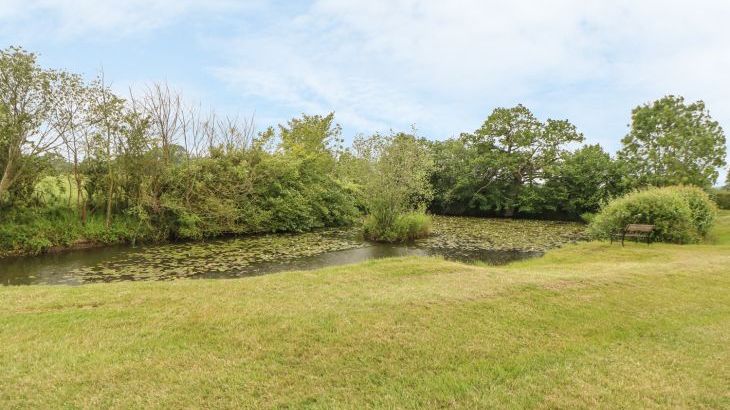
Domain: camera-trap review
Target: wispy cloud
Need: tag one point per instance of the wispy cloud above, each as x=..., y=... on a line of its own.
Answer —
x=69, y=19
x=407, y=60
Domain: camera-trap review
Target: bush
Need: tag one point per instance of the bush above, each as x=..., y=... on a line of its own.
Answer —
x=406, y=227
x=703, y=209
x=665, y=208
x=587, y=217
x=722, y=198
x=35, y=230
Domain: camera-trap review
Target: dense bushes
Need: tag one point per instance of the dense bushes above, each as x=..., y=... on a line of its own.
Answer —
x=722, y=197
x=33, y=231
x=406, y=227
x=680, y=214
x=702, y=208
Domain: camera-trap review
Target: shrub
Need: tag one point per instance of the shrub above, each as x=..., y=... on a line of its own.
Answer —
x=407, y=227
x=722, y=198
x=587, y=217
x=664, y=208
x=703, y=209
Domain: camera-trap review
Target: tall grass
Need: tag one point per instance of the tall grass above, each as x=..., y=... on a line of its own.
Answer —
x=405, y=227
x=36, y=230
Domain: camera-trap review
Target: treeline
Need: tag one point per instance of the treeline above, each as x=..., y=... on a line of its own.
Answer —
x=80, y=162
x=515, y=164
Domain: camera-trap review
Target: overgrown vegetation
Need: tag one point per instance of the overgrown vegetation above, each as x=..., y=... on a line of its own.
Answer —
x=722, y=197
x=81, y=164
x=396, y=188
x=680, y=214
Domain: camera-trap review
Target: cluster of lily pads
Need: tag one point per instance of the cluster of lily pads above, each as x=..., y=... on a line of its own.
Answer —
x=220, y=256
x=245, y=256
x=456, y=232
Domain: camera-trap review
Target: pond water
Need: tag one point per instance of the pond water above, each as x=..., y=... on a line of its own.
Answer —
x=492, y=241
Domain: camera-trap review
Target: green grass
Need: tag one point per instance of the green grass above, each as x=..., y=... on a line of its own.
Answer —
x=589, y=325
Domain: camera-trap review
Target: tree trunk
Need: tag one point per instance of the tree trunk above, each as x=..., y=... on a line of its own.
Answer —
x=511, y=207
x=70, y=191
x=109, y=203
x=80, y=200
x=7, y=179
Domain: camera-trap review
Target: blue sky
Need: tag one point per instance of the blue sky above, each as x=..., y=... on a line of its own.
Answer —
x=380, y=65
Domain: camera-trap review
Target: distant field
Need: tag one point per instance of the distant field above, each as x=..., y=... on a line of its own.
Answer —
x=589, y=325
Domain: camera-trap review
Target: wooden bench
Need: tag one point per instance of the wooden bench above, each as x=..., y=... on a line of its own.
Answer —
x=638, y=231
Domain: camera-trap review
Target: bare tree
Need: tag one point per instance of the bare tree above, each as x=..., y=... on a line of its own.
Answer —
x=164, y=108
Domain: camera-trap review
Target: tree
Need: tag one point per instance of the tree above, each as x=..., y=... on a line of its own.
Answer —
x=75, y=109
x=582, y=181
x=107, y=113
x=513, y=150
x=672, y=142
x=399, y=178
x=453, y=177
x=31, y=126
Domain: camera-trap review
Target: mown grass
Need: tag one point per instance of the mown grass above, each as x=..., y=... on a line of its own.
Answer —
x=588, y=325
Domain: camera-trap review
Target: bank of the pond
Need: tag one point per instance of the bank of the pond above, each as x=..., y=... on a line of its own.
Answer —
x=57, y=232
x=588, y=325
x=492, y=241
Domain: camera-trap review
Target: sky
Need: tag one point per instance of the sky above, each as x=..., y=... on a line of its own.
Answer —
x=441, y=66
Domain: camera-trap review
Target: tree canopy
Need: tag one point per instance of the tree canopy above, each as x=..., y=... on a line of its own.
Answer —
x=673, y=142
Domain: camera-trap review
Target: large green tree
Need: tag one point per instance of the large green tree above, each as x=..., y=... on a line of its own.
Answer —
x=513, y=150
x=673, y=142
x=581, y=182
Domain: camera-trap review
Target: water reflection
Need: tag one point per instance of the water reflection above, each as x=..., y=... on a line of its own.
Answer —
x=56, y=269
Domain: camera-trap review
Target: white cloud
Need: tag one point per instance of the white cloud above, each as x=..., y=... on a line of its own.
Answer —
x=67, y=19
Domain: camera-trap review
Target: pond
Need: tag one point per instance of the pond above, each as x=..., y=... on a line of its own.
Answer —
x=492, y=241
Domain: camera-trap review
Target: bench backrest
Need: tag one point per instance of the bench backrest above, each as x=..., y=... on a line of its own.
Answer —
x=639, y=228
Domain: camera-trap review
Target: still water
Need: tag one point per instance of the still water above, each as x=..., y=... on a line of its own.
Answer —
x=491, y=241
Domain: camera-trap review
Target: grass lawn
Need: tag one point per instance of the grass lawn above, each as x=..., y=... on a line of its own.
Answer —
x=589, y=325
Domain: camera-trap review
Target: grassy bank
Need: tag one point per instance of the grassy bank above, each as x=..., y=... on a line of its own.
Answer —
x=587, y=325
x=36, y=231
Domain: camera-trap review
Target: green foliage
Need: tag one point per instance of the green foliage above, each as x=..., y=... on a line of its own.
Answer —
x=515, y=163
x=29, y=120
x=36, y=230
x=702, y=207
x=580, y=182
x=513, y=151
x=672, y=142
x=722, y=198
x=397, y=184
x=250, y=190
x=587, y=217
x=680, y=214
x=406, y=227
x=453, y=180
